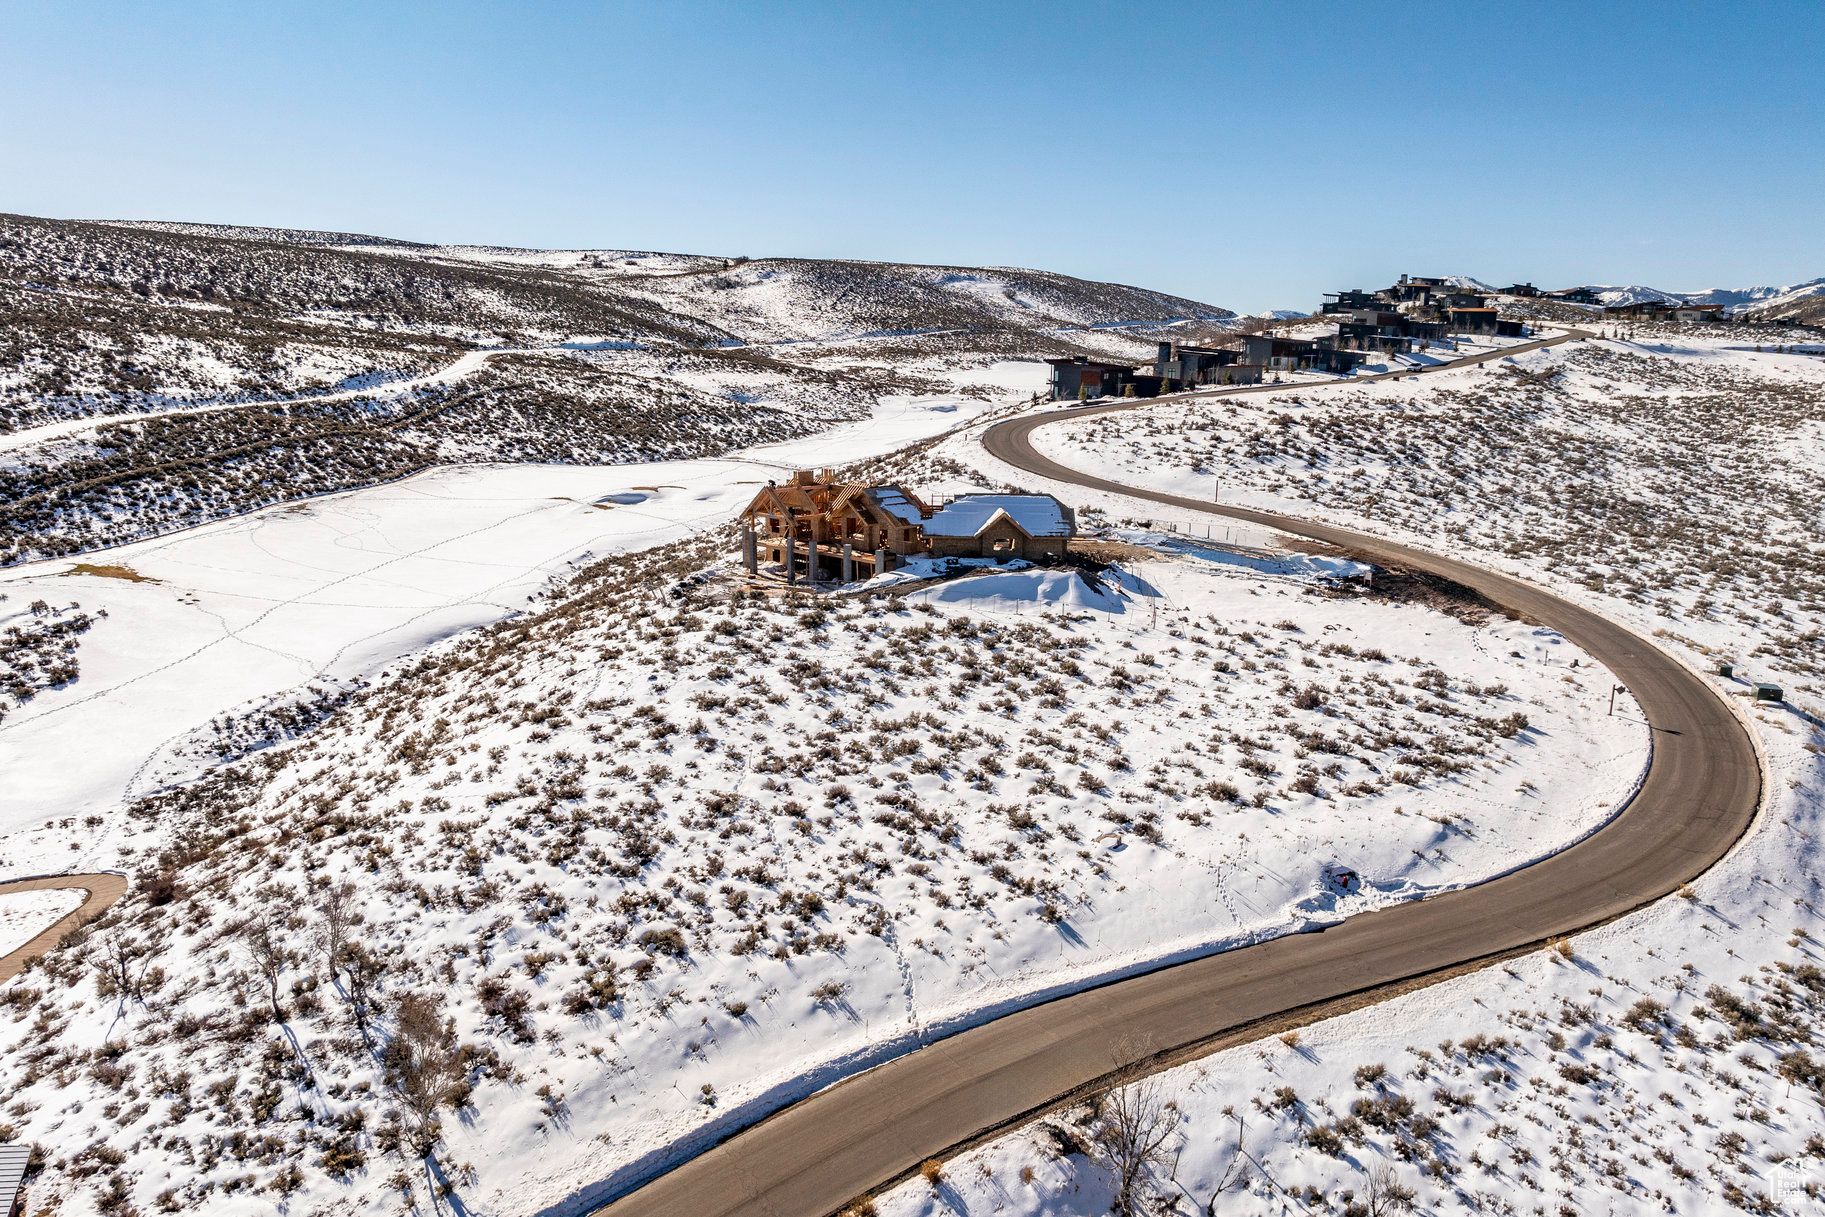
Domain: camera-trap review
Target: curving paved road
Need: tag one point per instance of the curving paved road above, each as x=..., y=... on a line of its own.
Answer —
x=1700, y=795
x=98, y=890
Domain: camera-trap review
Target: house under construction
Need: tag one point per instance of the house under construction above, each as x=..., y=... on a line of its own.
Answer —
x=818, y=528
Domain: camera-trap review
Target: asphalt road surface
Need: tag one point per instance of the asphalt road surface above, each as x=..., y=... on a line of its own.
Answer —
x=98, y=892
x=1700, y=794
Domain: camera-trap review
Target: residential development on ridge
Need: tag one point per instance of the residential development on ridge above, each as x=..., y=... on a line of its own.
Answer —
x=1415, y=313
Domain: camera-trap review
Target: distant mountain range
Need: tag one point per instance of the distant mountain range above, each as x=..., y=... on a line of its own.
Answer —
x=1775, y=301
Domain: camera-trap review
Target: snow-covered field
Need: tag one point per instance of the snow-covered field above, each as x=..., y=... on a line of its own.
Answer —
x=1665, y=1063
x=233, y=617
x=25, y=915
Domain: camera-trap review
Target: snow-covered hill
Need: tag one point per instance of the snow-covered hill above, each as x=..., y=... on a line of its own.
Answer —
x=1759, y=299
x=156, y=375
x=671, y=853
x=1667, y=1062
x=1632, y=294
x=1772, y=302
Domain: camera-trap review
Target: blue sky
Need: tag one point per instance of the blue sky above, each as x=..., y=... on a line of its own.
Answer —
x=1249, y=155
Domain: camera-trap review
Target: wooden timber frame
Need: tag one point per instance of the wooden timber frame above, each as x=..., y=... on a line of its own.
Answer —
x=817, y=528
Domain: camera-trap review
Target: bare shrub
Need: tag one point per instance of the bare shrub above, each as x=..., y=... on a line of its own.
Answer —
x=262, y=938
x=336, y=908
x=424, y=1064
x=1136, y=1121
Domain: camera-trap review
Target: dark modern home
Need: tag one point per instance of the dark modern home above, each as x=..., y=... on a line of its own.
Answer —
x=1350, y=301
x=1189, y=365
x=1370, y=336
x=1651, y=310
x=1079, y=378
x=1483, y=321
x=1339, y=360
x=1278, y=354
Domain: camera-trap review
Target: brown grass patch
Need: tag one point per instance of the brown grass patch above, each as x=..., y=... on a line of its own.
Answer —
x=111, y=572
x=1105, y=552
x=1399, y=584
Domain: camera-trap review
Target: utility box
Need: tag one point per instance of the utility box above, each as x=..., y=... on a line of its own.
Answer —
x=1726, y=670
x=1766, y=692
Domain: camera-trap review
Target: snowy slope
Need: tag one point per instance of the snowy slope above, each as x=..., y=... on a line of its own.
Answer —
x=784, y=300
x=1760, y=299
x=663, y=882
x=156, y=376
x=1667, y=1062
x=1634, y=294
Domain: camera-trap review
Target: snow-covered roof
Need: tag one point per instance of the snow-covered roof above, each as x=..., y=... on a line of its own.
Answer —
x=1040, y=515
x=12, y=1172
x=894, y=501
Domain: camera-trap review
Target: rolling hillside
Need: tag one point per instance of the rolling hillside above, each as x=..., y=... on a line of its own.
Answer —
x=158, y=375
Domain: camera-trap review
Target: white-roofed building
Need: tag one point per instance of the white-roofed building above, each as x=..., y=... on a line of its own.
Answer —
x=13, y=1161
x=1032, y=527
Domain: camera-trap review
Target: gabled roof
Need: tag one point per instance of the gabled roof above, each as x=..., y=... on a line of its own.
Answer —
x=882, y=504
x=897, y=503
x=1037, y=515
x=787, y=500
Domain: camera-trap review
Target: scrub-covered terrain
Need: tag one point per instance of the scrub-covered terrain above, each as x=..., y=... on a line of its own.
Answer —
x=556, y=902
x=157, y=376
x=1666, y=1063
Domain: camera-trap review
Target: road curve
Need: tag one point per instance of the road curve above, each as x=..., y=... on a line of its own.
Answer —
x=1699, y=796
x=99, y=891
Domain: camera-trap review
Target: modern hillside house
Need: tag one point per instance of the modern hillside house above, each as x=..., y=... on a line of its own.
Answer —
x=1278, y=354
x=1179, y=365
x=1417, y=312
x=1082, y=379
x=1646, y=310
x=1483, y=321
